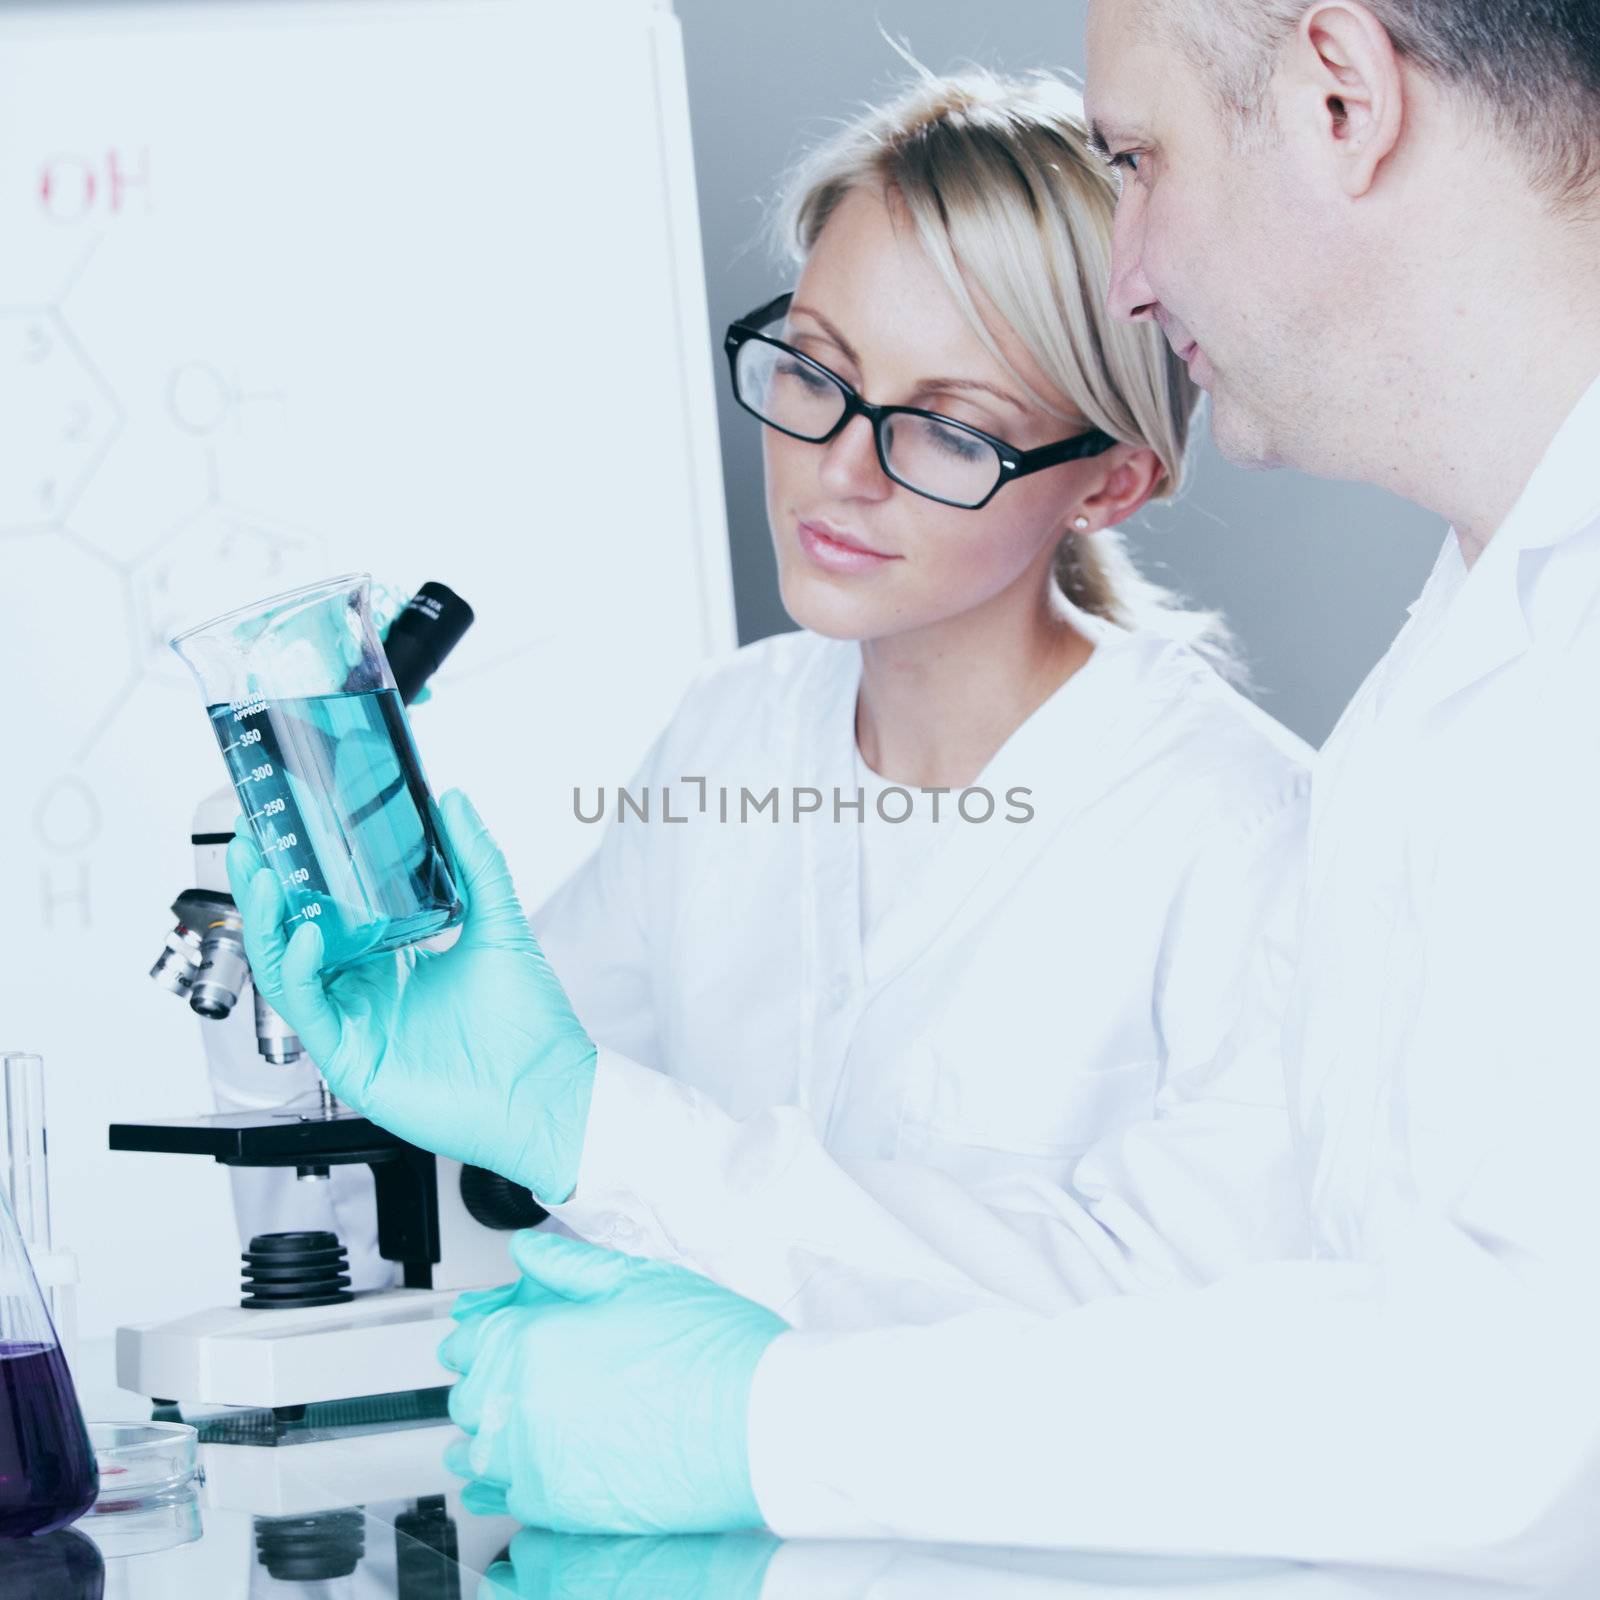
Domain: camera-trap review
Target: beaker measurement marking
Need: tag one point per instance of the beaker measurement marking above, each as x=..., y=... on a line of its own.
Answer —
x=331, y=793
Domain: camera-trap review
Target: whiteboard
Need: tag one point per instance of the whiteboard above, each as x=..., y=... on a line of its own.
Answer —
x=291, y=289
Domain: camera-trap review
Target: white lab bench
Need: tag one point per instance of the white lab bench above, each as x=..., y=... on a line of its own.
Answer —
x=378, y=1516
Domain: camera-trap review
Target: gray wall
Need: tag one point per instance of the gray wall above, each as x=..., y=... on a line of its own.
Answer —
x=1314, y=576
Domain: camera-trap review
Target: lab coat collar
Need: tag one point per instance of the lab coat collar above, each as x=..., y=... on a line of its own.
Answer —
x=1563, y=495
x=1485, y=621
x=830, y=867
x=1062, y=756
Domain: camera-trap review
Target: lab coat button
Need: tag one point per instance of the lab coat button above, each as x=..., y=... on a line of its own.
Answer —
x=838, y=993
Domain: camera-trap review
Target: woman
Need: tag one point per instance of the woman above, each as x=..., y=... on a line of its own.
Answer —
x=1049, y=948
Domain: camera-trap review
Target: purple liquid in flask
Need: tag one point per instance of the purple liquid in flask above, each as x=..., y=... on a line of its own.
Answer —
x=48, y=1476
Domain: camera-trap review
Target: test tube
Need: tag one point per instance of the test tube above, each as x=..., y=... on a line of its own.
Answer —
x=27, y=1158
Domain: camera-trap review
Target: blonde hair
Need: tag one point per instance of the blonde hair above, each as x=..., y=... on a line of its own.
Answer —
x=997, y=178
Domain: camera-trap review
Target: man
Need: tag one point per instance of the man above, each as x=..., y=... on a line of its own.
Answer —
x=1372, y=230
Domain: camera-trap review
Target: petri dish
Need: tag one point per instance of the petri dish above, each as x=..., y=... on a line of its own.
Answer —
x=140, y=1462
x=142, y=1527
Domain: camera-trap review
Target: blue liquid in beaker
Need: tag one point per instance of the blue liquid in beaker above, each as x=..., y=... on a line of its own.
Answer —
x=48, y=1476
x=336, y=798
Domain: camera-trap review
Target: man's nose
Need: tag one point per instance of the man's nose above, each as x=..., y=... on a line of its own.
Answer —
x=850, y=466
x=1130, y=297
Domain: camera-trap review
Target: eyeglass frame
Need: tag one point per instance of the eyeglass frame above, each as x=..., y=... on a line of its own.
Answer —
x=1014, y=463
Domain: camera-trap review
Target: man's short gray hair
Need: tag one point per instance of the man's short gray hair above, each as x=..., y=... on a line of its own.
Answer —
x=1532, y=66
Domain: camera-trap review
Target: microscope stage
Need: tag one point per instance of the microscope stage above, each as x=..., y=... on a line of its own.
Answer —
x=282, y=1138
x=384, y=1341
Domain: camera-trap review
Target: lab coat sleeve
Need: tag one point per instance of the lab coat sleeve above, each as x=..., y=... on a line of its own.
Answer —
x=1420, y=1412
x=761, y=1206
x=595, y=930
x=1432, y=1399
x=1210, y=1183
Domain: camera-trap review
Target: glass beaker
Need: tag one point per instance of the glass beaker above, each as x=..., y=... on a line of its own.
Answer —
x=47, y=1473
x=309, y=721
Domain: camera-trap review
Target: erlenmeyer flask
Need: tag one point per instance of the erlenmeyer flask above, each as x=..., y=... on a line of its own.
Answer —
x=60, y=1566
x=47, y=1473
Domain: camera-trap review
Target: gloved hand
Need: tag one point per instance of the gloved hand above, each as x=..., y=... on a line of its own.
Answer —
x=472, y=1052
x=570, y=1566
x=609, y=1394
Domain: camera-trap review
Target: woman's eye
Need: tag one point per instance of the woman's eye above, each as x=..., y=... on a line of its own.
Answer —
x=1126, y=160
x=803, y=375
x=955, y=443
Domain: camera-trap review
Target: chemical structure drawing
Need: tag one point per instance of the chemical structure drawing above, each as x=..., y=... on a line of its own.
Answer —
x=173, y=583
x=60, y=417
x=202, y=399
x=88, y=662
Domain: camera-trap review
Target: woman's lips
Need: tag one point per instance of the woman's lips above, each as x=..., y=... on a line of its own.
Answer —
x=830, y=551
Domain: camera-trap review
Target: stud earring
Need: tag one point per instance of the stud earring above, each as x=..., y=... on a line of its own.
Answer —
x=1080, y=523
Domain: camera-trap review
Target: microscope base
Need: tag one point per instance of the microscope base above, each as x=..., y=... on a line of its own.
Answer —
x=384, y=1341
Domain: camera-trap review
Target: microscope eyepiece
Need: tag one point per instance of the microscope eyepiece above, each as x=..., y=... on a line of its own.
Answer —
x=429, y=627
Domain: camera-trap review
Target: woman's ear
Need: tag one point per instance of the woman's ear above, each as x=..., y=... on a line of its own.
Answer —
x=1129, y=477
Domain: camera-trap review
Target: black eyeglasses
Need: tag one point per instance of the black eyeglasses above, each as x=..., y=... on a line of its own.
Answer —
x=931, y=455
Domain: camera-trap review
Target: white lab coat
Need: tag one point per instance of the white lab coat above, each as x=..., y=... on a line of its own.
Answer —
x=1425, y=1388
x=781, y=1105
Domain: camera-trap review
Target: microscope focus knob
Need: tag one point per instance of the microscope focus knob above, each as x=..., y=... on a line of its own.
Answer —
x=496, y=1202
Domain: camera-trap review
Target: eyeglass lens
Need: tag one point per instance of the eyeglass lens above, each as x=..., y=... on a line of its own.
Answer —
x=926, y=455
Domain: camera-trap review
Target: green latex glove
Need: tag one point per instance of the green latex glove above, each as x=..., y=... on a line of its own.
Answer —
x=569, y=1566
x=610, y=1394
x=471, y=1052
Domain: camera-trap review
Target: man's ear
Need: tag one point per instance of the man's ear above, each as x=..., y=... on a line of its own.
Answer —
x=1130, y=477
x=1346, y=64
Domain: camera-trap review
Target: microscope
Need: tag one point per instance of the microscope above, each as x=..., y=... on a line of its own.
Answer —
x=310, y=1328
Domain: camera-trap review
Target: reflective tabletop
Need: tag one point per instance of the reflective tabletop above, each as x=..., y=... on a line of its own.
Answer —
x=377, y=1515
